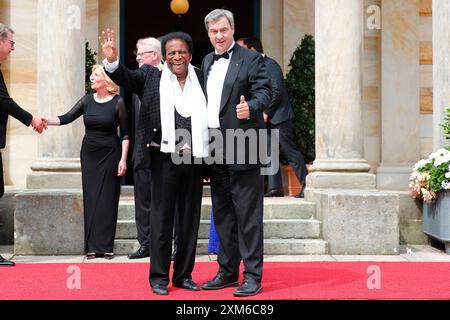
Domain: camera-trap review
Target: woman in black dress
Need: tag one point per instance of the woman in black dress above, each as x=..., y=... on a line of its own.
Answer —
x=103, y=160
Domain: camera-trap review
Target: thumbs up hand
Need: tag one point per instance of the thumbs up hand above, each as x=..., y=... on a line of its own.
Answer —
x=242, y=109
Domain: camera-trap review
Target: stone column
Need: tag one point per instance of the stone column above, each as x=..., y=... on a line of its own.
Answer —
x=400, y=93
x=61, y=71
x=339, y=160
x=441, y=68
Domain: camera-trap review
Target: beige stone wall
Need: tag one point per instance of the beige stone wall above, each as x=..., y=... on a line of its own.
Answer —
x=21, y=73
x=298, y=18
x=283, y=25
x=426, y=78
x=101, y=14
x=272, y=29
x=372, y=90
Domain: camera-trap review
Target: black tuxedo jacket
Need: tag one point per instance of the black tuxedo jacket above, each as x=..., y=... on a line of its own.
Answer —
x=280, y=108
x=9, y=107
x=145, y=83
x=246, y=76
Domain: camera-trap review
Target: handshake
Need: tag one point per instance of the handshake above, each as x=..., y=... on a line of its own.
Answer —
x=39, y=124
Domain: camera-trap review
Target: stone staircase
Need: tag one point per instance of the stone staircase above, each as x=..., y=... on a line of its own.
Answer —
x=290, y=226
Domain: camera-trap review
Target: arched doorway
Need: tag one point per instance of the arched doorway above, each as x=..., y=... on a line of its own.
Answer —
x=154, y=18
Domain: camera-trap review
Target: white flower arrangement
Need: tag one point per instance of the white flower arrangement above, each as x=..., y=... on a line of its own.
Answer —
x=431, y=176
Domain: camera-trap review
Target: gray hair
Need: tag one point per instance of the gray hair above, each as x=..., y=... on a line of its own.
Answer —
x=217, y=14
x=153, y=43
x=4, y=30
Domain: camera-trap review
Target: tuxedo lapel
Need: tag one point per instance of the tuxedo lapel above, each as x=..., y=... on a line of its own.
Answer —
x=207, y=66
x=230, y=78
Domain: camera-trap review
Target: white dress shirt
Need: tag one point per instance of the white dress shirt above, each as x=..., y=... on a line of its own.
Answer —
x=214, y=88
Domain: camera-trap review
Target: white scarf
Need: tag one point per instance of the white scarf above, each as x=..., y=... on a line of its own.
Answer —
x=192, y=100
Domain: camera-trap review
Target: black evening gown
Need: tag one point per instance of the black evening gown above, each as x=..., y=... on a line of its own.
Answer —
x=100, y=155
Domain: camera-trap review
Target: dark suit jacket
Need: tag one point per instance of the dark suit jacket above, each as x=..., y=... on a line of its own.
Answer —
x=280, y=108
x=137, y=144
x=246, y=76
x=9, y=107
x=145, y=83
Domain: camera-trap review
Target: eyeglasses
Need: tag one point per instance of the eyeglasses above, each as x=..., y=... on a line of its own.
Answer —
x=142, y=53
x=12, y=43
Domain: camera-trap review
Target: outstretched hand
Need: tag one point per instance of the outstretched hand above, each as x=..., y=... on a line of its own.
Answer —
x=108, y=43
x=39, y=124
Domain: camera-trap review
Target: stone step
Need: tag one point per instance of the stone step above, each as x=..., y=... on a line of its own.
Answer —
x=273, y=228
x=128, y=191
x=274, y=208
x=271, y=246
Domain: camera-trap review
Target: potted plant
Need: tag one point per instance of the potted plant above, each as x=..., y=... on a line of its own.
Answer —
x=430, y=182
x=300, y=84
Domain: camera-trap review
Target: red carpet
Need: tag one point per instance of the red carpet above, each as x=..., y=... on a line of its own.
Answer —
x=282, y=281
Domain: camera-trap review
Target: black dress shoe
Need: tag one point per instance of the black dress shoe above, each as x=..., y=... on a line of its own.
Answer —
x=160, y=289
x=142, y=252
x=187, y=284
x=249, y=287
x=274, y=193
x=7, y=263
x=220, y=282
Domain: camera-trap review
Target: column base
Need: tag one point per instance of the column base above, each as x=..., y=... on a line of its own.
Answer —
x=394, y=177
x=55, y=174
x=35, y=235
x=340, y=180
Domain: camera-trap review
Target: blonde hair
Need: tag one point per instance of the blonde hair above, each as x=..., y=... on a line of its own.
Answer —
x=111, y=86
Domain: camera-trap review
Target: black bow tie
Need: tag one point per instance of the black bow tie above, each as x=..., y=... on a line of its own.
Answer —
x=225, y=55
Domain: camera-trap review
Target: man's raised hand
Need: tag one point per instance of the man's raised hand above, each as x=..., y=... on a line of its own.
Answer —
x=108, y=43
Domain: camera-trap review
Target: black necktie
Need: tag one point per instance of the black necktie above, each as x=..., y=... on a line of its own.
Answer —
x=225, y=55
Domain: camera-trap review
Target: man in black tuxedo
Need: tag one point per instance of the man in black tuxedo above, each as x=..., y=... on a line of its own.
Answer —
x=148, y=52
x=238, y=91
x=279, y=115
x=9, y=107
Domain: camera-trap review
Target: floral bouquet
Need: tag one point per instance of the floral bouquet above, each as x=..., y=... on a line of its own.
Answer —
x=431, y=176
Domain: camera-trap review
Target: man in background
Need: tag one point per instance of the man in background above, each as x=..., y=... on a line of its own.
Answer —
x=148, y=52
x=279, y=115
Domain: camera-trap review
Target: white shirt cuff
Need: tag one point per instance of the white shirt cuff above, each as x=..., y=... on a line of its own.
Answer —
x=111, y=66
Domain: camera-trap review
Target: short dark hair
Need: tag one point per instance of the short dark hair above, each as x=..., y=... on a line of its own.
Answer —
x=254, y=42
x=183, y=36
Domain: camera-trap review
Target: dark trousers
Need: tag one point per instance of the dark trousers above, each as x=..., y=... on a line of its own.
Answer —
x=142, y=201
x=237, y=199
x=292, y=153
x=181, y=184
x=2, y=182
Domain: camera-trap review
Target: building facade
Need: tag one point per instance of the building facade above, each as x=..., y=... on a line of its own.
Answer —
x=382, y=85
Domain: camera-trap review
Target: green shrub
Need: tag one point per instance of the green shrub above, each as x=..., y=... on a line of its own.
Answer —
x=90, y=62
x=300, y=84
